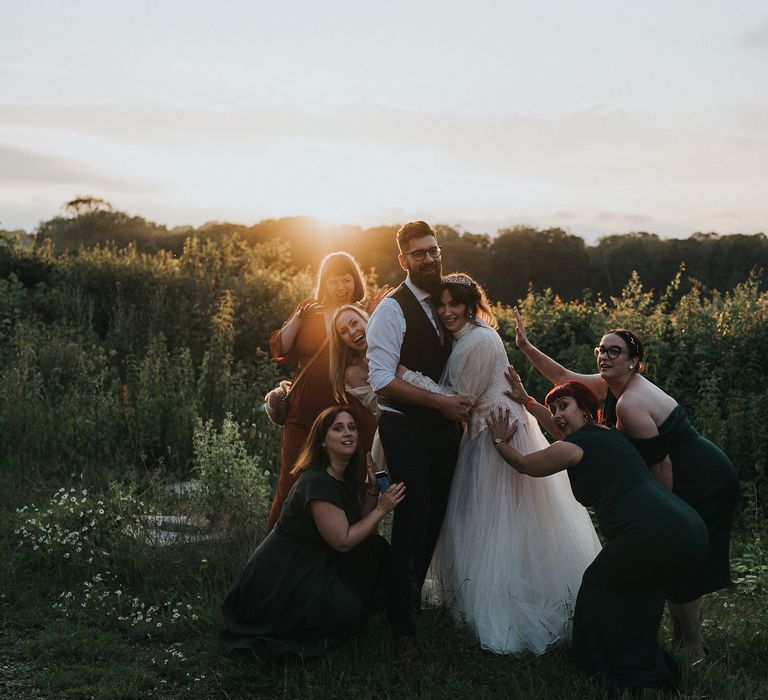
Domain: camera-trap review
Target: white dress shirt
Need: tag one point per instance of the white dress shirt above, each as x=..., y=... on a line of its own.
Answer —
x=385, y=334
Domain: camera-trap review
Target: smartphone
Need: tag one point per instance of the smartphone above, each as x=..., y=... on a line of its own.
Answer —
x=383, y=480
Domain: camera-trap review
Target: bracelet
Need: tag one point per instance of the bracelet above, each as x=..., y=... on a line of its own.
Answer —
x=530, y=403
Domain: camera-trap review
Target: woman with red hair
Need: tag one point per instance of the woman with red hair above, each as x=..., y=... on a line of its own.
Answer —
x=682, y=460
x=652, y=537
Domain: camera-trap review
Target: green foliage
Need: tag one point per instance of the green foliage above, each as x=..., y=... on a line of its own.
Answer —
x=707, y=351
x=232, y=487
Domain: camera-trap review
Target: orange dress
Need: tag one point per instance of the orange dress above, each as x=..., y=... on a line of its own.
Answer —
x=311, y=396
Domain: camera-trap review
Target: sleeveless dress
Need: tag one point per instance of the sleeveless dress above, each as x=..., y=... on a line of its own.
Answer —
x=706, y=479
x=653, y=538
x=513, y=548
x=298, y=595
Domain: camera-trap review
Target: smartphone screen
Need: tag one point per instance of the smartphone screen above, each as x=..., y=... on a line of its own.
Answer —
x=382, y=478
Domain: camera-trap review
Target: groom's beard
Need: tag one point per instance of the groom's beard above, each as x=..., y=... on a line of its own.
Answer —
x=427, y=276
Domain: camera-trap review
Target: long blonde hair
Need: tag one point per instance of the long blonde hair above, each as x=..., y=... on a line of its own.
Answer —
x=342, y=356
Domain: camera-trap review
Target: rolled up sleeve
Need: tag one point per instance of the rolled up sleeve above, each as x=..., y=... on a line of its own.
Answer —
x=384, y=334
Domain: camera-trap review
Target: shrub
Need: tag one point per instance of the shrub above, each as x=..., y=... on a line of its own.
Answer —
x=232, y=489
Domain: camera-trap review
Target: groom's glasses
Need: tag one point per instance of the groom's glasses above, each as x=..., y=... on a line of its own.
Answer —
x=420, y=255
x=612, y=351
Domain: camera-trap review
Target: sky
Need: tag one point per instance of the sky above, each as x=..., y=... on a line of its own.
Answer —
x=598, y=117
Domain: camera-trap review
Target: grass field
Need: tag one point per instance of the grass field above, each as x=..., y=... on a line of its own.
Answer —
x=141, y=621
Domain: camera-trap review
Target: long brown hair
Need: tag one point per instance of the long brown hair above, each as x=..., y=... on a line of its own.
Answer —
x=313, y=455
x=469, y=292
x=341, y=354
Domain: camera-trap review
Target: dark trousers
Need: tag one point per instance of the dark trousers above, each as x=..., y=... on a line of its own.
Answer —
x=423, y=455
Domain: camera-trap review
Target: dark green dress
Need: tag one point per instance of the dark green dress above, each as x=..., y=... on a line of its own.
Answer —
x=652, y=537
x=706, y=479
x=298, y=595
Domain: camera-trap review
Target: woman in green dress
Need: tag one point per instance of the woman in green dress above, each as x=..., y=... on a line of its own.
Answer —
x=685, y=462
x=319, y=573
x=652, y=537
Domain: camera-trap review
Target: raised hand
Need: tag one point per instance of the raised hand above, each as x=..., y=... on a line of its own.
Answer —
x=310, y=308
x=516, y=390
x=370, y=478
x=521, y=338
x=376, y=297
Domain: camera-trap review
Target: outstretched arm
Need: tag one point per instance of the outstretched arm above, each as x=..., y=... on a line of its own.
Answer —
x=550, y=460
x=541, y=413
x=549, y=368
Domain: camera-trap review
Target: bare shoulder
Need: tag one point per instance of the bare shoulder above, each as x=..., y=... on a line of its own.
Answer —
x=356, y=376
x=653, y=399
x=634, y=412
x=595, y=382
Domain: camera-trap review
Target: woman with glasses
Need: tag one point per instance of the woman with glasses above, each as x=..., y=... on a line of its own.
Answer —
x=688, y=464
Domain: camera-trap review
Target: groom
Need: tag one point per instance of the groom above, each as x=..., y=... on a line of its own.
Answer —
x=419, y=430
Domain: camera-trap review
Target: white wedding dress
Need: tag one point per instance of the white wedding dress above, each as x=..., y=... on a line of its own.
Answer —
x=513, y=548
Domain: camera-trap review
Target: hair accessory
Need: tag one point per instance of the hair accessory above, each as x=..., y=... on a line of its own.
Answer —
x=630, y=339
x=457, y=279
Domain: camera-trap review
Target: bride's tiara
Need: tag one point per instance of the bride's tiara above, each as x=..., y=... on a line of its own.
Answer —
x=458, y=279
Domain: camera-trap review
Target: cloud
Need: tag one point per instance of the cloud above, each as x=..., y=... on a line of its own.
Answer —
x=21, y=167
x=33, y=68
x=605, y=145
x=757, y=37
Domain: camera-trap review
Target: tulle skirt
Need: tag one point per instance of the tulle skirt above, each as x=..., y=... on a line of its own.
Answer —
x=513, y=548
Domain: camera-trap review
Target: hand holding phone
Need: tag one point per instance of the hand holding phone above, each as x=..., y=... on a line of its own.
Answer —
x=383, y=480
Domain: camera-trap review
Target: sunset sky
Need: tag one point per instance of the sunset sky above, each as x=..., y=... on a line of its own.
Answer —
x=598, y=117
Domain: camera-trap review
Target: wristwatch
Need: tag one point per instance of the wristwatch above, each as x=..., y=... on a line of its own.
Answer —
x=497, y=442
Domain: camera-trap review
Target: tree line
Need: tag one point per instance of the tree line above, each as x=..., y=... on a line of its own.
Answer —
x=509, y=263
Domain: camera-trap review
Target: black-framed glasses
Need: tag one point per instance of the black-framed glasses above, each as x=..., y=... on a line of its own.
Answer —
x=611, y=352
x=420, y=255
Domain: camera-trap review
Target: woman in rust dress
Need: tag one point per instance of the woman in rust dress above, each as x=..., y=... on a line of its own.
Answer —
x=339, y=281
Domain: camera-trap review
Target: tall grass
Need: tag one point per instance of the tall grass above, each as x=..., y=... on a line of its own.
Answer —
x=121, y=373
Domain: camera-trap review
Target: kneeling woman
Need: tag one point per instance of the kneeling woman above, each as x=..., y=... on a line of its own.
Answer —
x=652, y=537
x=319, y=574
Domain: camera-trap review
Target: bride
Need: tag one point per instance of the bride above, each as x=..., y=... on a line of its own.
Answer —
x=512, y=550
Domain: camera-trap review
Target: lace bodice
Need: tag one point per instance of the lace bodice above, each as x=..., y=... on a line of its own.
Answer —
x=475, y=369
